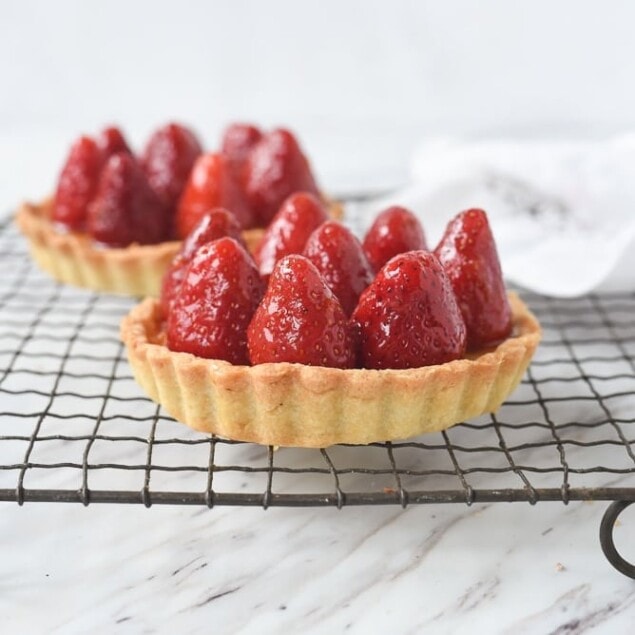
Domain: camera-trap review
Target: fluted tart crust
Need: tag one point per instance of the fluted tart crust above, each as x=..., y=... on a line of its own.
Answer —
x=73, y=258
x=294, y=405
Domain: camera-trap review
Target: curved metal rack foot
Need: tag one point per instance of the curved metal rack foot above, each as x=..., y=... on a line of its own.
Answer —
x=606, y=538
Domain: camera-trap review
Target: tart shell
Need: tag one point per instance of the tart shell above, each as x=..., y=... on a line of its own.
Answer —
x=293, y=405
x=73, y=258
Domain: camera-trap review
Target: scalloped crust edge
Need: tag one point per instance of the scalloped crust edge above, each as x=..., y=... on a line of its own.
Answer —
x=293, y=405
x=74, y=259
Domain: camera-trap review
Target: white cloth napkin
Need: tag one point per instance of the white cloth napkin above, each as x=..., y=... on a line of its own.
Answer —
x=563, y=213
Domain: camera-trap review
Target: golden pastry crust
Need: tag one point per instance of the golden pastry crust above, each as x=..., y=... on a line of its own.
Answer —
x=294, y=405
x=73, y=258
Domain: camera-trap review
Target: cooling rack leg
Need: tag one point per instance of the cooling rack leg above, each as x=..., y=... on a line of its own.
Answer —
x=606, y=538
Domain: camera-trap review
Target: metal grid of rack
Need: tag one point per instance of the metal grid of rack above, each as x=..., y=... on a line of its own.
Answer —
x=75, y=427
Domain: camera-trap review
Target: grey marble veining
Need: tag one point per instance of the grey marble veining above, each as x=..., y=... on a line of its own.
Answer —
x=435, y=569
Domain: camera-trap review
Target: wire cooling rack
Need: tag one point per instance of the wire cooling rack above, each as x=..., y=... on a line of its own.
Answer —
x=75, y=427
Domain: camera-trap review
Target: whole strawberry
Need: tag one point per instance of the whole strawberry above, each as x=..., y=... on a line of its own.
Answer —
x=212, y=309
x=111, y=141
x=212, y=183
x=168, y=159
x=300, y=320
x=395, y=231
x=238, y=141
x=339, y=258
x=468, y=254
x=126, y=209
x=408, y=317
x=216, y=224
x=77, y=184
x=289, y=230
x=276, y=168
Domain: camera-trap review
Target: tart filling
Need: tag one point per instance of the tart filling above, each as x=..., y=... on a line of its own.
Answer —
x=296, y=405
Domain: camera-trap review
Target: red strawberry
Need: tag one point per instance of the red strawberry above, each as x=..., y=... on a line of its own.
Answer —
x=111, y=141
x=468, y=253
x=168, y=159
x=212, y=183
x=172, y=280
x=409, y=316
x=216, y=224
x=339, y=257
x=276, y=168
x=289, y=230
x=77, y=184
x=300, y=320
x=125, y=208
x=212, y=310
x=395, y=231
x=238, y=140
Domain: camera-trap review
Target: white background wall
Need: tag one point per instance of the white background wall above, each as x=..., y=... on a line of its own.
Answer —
x=362, y=81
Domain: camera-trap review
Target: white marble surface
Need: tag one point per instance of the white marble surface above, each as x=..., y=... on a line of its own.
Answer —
x=438, y=569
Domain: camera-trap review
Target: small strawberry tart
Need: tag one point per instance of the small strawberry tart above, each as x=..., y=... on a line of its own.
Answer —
x=319, y=339
x=117, y=220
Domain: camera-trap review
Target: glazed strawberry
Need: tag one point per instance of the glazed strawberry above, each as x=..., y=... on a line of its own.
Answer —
x=168, y=159
x=216, y=224
x=238, y=140
x=77, y=184
x=212, y=183
x=300, y=320
x=276, y=168
x=339, y=258
x=125, y=208
x=289, y=230
x=468, y=254
x=395, y=231
x=409, y=317
x=212, y=310
x=111, y=141
x=171, y=283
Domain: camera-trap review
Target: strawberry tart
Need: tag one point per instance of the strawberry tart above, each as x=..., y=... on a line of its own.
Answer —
x=117, y=220
x=320, y=339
